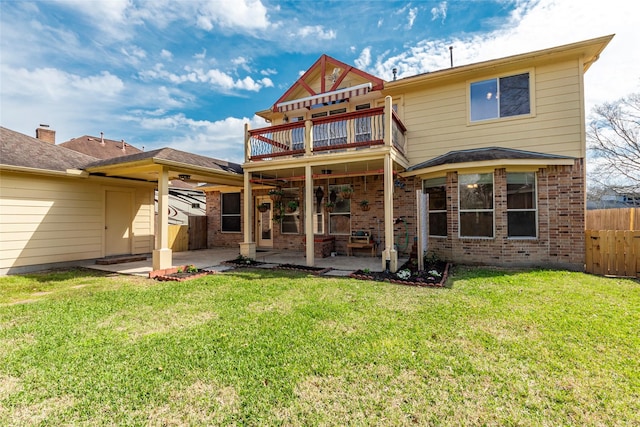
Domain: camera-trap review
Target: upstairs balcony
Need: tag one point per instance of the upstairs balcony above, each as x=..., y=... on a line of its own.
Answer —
x=365, y=128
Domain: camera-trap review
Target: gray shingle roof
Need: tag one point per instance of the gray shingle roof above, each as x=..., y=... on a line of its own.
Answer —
x=92, y=146
x=169, y=154
x=484, y=154
x=17, y=149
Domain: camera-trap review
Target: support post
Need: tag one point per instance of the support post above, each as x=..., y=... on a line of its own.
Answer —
x=308, y=215
x=162, y=254
x=389, y=255
x=248, y=247
x=308, y=137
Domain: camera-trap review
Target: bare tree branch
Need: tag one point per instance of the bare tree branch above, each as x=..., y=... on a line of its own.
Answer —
x=612, y=135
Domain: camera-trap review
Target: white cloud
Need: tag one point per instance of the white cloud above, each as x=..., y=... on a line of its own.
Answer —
x=201, y=55
x=413, y=13
x=112, y=11
x=133, y=54
x=57, y=85
x=439, y=12
x=66, y=101
x=241, y=62
x=165, y=54
x=539, y=25
x=268, y=72
x=222, y=139
x=364, y=60
x=316, y=32
x=212, y=76
x=237, y=15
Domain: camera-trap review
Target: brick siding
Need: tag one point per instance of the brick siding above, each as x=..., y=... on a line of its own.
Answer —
x=561, y=219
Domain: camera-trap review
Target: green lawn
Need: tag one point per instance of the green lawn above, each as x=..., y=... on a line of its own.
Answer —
x=256, y=347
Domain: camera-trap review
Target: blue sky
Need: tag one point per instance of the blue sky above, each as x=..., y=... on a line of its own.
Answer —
x=189, y=74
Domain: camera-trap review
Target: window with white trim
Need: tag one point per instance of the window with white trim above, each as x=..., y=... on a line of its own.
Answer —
x=340, y=217
x=290, y=216
x=231, y=212
x=475, y=192
x=436, y=188
x=522, y=210
x=500, y=97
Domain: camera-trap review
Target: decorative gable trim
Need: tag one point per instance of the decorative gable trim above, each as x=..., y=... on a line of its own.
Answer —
x=336, y=95
x=322, y=65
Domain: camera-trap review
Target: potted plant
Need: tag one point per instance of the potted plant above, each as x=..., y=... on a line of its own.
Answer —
x=364, y=205
x=346, y=192
x=329, y=206
x=277, y=216
x=263, y=207
x=276, y=194
x=292, y=206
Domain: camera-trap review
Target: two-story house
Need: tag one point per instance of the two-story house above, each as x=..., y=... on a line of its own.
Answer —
x=498, y=146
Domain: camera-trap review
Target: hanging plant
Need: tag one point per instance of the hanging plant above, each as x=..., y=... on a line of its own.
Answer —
x=263, y=207
x=329, y=206
x=276, y=194
x=346, y=192
x=292, y=206
x=364, y=205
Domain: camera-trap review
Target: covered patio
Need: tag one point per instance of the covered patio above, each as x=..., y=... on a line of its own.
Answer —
x=213, y=259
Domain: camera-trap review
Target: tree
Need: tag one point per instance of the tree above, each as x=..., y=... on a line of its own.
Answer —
x=613, y=140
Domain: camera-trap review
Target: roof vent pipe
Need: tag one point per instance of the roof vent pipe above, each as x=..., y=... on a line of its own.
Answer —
x=395, y=72
x=451, y=55
x=123, y=146
x=102, y=138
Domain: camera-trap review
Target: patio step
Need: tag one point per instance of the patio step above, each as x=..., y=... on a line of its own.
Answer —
x=120, y=259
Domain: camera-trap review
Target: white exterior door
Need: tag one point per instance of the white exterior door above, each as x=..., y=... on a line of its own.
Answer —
x=264, y=227
x=117, y=223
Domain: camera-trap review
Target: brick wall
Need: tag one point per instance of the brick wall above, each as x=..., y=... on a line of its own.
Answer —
x=561, y=220
x=215, y=236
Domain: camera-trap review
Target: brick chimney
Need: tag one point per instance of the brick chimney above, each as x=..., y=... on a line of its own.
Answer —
x=47, y=135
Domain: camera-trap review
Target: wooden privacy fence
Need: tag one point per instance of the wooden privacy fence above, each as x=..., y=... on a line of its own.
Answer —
x=613, y=242
x=613, y=252
x=189, y=237
x=613, y=219
x=179, y=238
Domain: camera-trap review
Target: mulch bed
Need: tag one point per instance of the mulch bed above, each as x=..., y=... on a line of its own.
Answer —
x=245, y=262
x=423, y=278
x=178, y=274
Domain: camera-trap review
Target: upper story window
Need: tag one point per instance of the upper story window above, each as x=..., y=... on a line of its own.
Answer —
x=500, y=97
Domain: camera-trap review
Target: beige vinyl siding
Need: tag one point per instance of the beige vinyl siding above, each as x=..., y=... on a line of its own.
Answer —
x=143, y=224
x=49, y=219
x=437, y=117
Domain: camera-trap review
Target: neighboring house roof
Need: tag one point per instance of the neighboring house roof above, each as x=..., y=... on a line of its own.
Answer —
x=171, y=155
x=19, y=151
x=148, y=164
x=99, y=147
x=22, y=151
